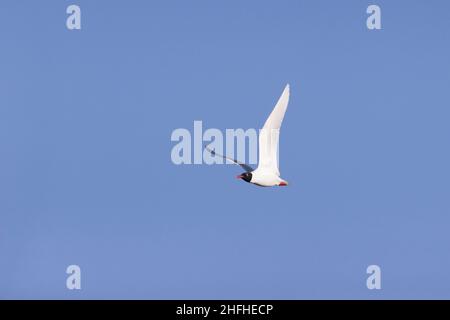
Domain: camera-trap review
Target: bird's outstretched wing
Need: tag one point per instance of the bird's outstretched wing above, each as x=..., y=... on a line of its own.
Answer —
x=269, y=135
x=246, y=167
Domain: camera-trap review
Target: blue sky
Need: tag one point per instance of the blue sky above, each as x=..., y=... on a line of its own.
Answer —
x=86, y=176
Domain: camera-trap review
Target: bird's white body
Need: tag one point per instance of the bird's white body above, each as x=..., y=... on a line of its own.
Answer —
x=268, y=174
x=266, y=179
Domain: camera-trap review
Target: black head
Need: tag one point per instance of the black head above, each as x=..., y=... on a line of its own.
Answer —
x=246, y=176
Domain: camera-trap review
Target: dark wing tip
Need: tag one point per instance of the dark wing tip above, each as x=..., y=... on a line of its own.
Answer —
x=210, y=150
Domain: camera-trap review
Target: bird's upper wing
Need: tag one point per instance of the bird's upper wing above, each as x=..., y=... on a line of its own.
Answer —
x=246, y=167
x=269, y=135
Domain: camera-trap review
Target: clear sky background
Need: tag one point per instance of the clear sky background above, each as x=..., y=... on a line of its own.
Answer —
x=86, y=176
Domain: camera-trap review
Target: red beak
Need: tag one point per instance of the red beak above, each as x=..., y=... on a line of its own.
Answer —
x=282, y=184
x=239, y=177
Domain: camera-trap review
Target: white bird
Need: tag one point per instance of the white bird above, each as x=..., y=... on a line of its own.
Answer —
x=267, y=173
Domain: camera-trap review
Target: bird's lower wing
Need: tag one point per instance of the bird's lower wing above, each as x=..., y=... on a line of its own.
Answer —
x=246, y=167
